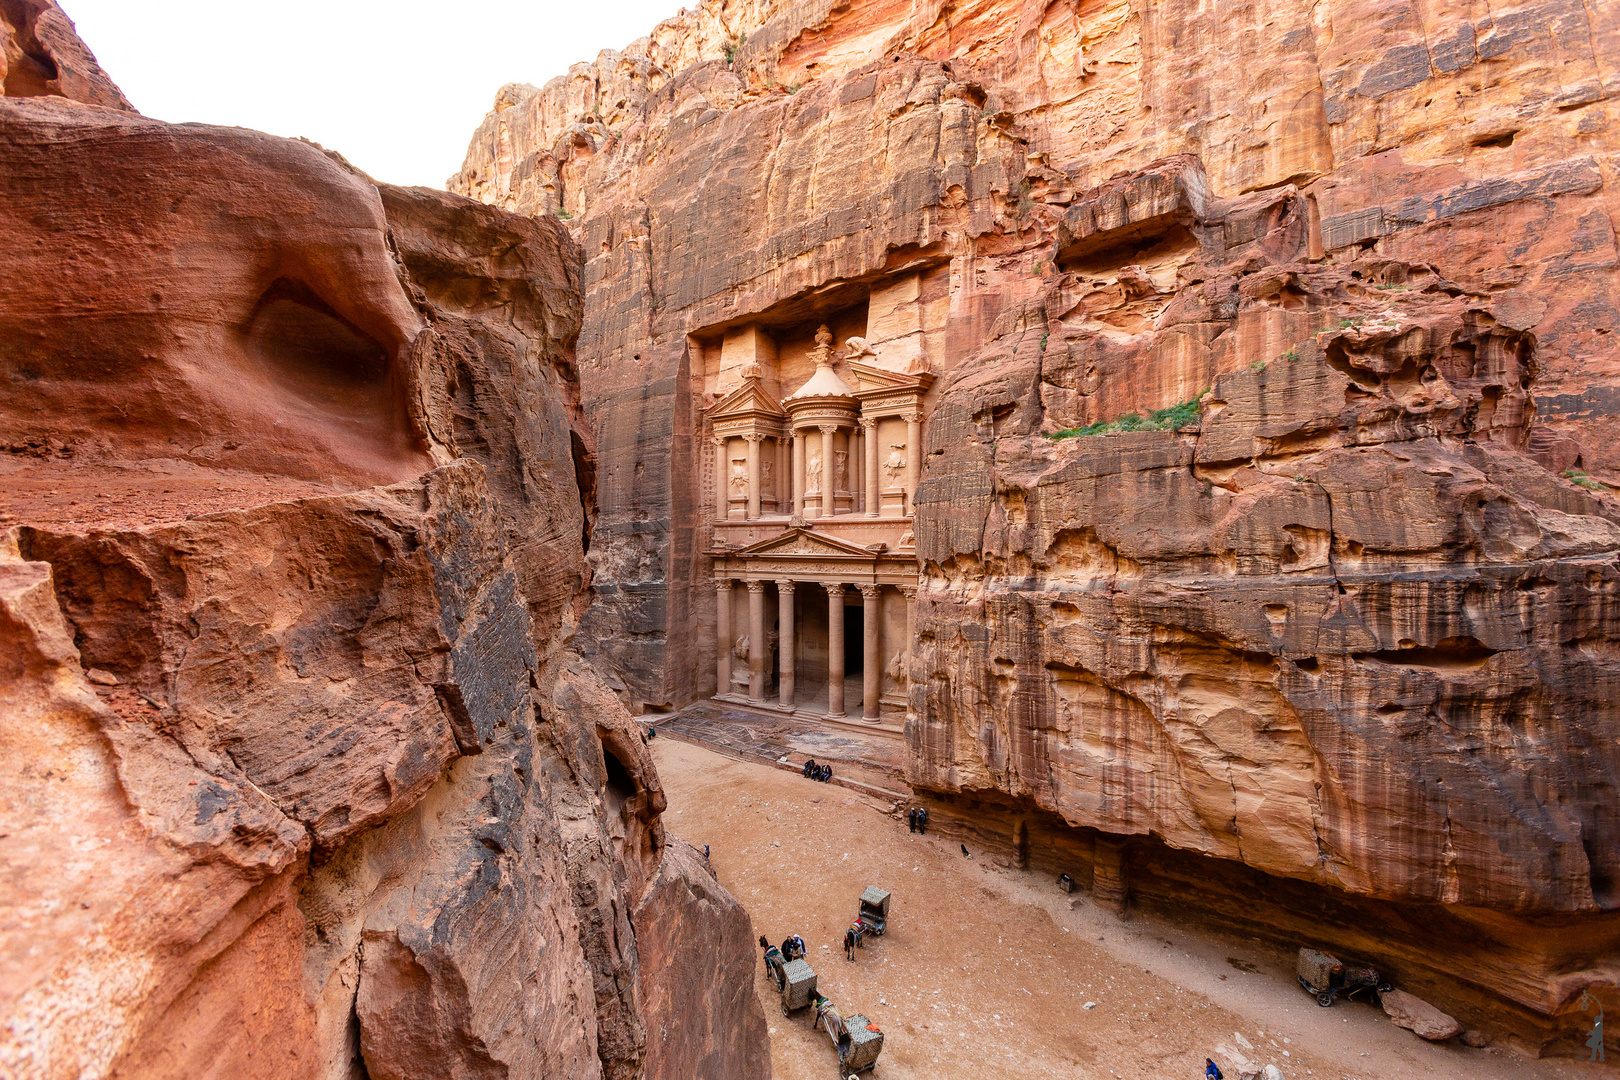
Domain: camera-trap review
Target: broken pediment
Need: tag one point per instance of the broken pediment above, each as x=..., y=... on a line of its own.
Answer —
x=748, y=400
x=872, y=378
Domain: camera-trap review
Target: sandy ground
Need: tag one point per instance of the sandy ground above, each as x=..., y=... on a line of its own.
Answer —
x=985, y=972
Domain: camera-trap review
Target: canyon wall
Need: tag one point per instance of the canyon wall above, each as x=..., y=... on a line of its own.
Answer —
x=1263, y=519
x=300, y=775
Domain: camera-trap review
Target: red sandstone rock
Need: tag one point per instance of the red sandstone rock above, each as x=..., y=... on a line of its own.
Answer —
x=41, y=55
x=299, y=779
x=1418, y=1016
x=693, y=977
x=1348, y=632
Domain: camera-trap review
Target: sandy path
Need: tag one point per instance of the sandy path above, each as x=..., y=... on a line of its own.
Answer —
x=985, y=971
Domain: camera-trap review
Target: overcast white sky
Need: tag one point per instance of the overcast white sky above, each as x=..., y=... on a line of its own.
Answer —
x=396, y=87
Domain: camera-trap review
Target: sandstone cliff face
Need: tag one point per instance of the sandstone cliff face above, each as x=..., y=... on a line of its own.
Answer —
x=1347, y=617
x=300, y=779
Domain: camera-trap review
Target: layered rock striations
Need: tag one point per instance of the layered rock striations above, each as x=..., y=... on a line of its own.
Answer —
x=1267, y=571
x=301, y=779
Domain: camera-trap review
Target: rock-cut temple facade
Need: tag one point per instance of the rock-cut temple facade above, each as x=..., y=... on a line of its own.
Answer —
x=817, y=451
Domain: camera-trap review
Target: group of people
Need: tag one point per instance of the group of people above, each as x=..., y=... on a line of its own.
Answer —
x=918, y=820
x=817, y=772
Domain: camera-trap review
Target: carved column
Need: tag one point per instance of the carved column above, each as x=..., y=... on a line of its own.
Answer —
x=721, y=492
x=835, y=644
x=782, y=476
x=872, y=664
x=871, y=429
x=829, y=472
x=722, y=634
x=798, y=473
x=758, y=648
x=857, y=468
x=913, y=458
x=752, y=439
x=784, y=616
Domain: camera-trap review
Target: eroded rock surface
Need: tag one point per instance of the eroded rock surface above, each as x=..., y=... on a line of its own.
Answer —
x=1332, y=647
x=1418, y=1016
x=300, y=778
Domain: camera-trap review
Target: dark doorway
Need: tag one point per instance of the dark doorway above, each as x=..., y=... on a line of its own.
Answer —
x=854, y=639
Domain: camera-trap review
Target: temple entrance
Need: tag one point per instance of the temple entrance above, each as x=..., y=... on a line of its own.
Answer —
x=854, y=637
x=803, y=643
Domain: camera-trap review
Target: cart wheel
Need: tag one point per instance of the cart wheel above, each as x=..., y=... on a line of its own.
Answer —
x=1324, y=1000
x=1384, y=988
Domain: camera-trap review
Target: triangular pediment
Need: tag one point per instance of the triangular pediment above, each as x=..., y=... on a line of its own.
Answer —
x=804, y=542
x=877, y=378
x=749, y=399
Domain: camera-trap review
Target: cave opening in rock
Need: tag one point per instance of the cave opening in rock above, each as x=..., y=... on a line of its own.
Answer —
x=620, y=787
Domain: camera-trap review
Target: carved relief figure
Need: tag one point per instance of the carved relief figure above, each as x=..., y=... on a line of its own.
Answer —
x=739, y=667
x=739, y=476
x=894, y=466
x=897, y=667
x=857, y=347
x=765, y=484
x=841, y=470
x=812, y=469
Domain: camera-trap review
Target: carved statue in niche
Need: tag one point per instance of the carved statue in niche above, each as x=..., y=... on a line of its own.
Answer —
x=739, y=669
x=841, y=470
x=765, y=475
x=894, y=466
x=812, y=469
x=739, y=477
x=897, y=667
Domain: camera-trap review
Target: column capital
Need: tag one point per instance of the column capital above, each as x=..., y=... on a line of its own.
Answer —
x=827, y=429
x=755, y=586
x=914, y=418
x=718, y=440
x=908, y=591
x=722, y=584
x=870, y=592
x=785, y=585
x=869, y=422
x=834, y=588
x=754, y=436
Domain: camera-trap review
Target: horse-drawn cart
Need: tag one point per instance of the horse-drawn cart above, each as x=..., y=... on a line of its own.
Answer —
x=1326, y=977
x=857, y=1040
x=794, y=980
x=874, y=912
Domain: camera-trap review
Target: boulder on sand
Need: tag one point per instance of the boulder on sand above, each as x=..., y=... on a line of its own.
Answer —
x=1418, y=1016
